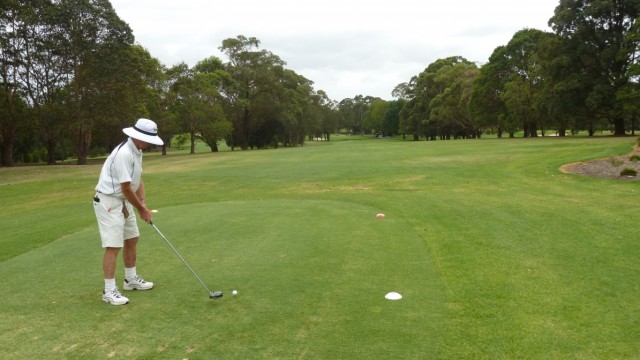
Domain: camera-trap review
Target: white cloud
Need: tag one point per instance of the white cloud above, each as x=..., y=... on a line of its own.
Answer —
x=347, y=47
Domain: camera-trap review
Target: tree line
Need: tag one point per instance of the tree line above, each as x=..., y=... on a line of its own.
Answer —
x=582, y=76
x=71, y=77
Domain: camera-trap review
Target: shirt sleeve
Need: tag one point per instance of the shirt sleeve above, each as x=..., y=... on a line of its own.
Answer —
x=122, y=168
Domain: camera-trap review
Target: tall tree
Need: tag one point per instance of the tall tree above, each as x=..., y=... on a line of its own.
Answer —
x=374, y=117
x=450, y=108
x=352, y=112
x=95, y=42
x=431, y=88
x=600, y=29
x=322, y=116
x=411, y=114
x=295, y=98
x=157, y=96
x=486, y=104
x=71, y=62
x=250, y=97
x=522, y=91
x=16, y=23
x=391, y=121
x=214, y=126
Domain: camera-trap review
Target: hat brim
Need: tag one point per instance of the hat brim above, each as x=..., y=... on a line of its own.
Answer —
x=155, y=140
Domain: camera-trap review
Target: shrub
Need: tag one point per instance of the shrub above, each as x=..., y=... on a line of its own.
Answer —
x=628, y=172
x=634, y=158
x=615, y=161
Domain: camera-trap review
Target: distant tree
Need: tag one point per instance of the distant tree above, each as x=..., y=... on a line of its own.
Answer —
x=294, y=97
x=391, y=121
x=199, y=104
x=431, y=96
x=450, y=108
x=510, y=92
x=251, y=97
x=322, y=116
x=215, y=127
x=402, y=91
x=523, y=89
x=352, y=112
x=486, y=104
x=125, y=85
x=374, y=117
x=561, y=94
x=158, y=99
x=412, y=112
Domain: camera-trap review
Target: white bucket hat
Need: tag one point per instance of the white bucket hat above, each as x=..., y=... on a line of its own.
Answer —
x=144, y=130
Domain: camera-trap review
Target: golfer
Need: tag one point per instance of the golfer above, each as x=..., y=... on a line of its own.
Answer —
x=119, y=190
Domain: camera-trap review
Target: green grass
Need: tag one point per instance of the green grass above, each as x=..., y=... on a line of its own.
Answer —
x=497, y=253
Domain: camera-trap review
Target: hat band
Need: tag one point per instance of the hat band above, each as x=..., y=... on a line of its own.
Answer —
x=144, y=132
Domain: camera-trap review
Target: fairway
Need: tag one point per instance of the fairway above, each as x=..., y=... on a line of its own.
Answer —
x=497, y=254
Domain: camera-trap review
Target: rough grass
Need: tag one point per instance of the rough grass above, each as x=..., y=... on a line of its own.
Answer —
x=497, y=254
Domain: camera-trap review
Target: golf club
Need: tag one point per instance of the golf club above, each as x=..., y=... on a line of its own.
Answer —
x=212, y=295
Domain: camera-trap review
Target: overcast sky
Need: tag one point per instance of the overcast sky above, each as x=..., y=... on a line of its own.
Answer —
x=347, y=47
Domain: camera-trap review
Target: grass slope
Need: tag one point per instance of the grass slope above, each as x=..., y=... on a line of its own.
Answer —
x=497, y=255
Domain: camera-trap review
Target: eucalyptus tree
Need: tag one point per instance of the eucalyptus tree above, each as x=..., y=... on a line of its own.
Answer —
x=402, y=91
x=346, y=114
x=198, y=102
x=70, y=66
x=604, y=34
x=374, y=117
x=352, y=113
x=450, y=108
x=297, y=98
x=158, y=98
x=251, y=97
x=413, y=110
x=629, y=94
x=322, y=116
x=121, y=88
x=431, y=94
x=94, y=44
x=405, y=124
x=14, y=120
x=523, y=91
x=13, y=106
x=45, y=76
x=215, y=126
x=508, y=94
x=391, y=121
x=562, y=93
x=486, y=104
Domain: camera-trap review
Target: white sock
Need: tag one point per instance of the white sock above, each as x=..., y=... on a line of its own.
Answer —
x=130, y=273
x=109, y=284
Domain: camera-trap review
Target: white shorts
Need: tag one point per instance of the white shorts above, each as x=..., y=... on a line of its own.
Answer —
x=114, y=227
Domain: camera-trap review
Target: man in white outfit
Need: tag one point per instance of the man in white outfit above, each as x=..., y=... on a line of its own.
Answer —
x=119, y=190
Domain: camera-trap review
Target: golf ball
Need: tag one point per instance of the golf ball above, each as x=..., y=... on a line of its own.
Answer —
x=235, y=292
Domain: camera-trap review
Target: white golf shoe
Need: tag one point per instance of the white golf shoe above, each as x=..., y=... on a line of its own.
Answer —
x=114, y=297
x=137, y=283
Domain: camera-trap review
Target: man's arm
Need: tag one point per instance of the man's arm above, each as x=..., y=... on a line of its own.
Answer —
x=136, y=201
x=140, y=194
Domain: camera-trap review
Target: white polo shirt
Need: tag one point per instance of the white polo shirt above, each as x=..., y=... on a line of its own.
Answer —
x=123, y=165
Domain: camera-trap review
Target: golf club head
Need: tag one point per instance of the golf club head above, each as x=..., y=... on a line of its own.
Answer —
x=215, y=295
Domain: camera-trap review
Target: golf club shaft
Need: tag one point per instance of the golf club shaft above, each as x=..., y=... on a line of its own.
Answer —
x=180, y=256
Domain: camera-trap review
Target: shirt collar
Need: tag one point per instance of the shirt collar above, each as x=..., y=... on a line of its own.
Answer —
x=133, y=147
